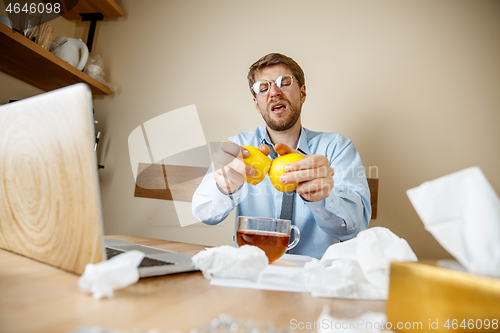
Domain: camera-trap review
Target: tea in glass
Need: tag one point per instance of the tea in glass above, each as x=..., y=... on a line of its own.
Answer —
x=270, y=235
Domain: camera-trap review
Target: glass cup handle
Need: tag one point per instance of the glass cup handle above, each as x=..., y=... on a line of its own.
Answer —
x=297, y=238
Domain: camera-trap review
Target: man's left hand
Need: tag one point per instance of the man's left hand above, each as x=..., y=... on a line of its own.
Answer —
x=313, y=174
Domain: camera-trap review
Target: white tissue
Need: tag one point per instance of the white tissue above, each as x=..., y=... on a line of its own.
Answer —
x=116, y=273
x=358, y=268
x=246, y=262
x=367, y=322
x=462, y=211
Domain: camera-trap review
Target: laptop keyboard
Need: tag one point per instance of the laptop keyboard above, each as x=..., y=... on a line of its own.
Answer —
x=146, y=262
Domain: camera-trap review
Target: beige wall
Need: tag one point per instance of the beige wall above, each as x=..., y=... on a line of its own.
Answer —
x=414, y=84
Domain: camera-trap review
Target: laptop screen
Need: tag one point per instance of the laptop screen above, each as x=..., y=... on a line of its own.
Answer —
x=49, y=193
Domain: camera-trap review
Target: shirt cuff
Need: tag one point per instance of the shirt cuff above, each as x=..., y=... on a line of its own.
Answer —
x=329, y=219
x=334, y=204
x=235, y=197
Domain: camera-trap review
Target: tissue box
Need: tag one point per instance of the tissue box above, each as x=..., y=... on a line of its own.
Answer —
x=424, y=298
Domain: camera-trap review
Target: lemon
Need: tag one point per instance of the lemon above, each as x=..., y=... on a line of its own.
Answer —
x=260, y=162
x=278, y=168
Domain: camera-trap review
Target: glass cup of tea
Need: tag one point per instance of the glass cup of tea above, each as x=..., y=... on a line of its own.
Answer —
x=270, y=235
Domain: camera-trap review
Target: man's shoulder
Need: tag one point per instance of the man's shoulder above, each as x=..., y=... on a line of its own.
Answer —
x=325, y=137
x=329, y=144
x=251, y=138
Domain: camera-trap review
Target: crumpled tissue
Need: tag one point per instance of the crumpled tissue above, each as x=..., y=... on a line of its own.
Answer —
x=245, y=262
x=358, y=268
x=118, y=272
x=373, y=322
x=462, y=211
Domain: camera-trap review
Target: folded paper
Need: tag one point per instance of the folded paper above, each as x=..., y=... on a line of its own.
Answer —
x=462, y=211
x=246, y=262
x=118, y=272
x=285, y=274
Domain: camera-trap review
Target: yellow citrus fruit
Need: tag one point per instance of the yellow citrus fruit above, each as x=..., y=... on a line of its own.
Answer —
x=278, y=168
x=260, y=162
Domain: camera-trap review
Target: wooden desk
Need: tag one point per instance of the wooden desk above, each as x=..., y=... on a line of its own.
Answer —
x=35, y=297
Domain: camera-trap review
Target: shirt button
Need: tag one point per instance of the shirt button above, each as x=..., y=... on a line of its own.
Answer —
x=343, y=224
x=330, y=205
x=225, y=202
x=318, y=209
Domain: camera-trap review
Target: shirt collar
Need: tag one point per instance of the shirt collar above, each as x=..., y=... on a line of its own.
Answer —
x=303, y=145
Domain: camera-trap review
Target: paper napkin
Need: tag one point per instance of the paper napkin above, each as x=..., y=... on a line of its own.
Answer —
x=358, y=268
x=462, y=211
x=245, y=262
x=118, y=272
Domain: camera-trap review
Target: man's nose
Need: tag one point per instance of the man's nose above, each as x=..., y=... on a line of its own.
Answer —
x=274, y=90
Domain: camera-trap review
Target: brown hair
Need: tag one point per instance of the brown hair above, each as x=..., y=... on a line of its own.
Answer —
x=275, y=59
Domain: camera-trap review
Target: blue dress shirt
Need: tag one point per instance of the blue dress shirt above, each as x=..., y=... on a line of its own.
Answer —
x=344, y=213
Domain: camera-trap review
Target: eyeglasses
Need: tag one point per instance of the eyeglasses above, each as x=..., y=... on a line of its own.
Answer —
x=283, y=82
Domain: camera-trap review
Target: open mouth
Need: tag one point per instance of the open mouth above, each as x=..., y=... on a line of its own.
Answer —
x=278, y=108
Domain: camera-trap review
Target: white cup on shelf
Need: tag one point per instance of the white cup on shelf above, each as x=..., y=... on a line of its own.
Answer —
x=6, y=20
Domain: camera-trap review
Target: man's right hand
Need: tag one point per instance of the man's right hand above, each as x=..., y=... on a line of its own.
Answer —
x=228, y=167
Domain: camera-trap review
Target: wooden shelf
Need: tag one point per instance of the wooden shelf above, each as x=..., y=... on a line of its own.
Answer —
x=108, y=8
x=31, y=63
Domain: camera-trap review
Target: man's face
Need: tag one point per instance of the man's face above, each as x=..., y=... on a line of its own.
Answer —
x=279, y=108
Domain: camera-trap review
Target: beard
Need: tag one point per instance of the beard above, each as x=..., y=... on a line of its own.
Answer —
x=284, y=121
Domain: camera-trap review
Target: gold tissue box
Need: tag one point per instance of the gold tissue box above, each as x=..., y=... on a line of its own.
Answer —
x=429, y=298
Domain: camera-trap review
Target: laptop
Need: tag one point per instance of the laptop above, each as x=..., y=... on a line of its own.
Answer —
x=50, y=207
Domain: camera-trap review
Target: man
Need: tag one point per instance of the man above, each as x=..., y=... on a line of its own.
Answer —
x=332, y=199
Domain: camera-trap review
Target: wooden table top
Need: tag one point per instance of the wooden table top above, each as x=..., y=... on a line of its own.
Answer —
x=36, y=297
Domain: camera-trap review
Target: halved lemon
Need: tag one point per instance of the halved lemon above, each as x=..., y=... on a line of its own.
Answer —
x=278, y=168
x=260, y=162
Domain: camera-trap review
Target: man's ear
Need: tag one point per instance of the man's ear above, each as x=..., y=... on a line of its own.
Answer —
x=303, y=93
x=256, y=104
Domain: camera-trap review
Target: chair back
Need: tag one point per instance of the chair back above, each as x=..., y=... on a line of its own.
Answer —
x=373, y=185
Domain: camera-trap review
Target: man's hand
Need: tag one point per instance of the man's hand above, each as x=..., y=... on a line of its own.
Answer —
x=313, y=174
x=228, y=167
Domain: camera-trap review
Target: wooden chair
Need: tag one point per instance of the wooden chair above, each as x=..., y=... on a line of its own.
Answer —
x=373, y=185
x=184, y=180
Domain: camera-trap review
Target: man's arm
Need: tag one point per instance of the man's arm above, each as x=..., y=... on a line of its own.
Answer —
x=210, y=204
x=340, y=200
x=214, y=199
x=223, y=187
